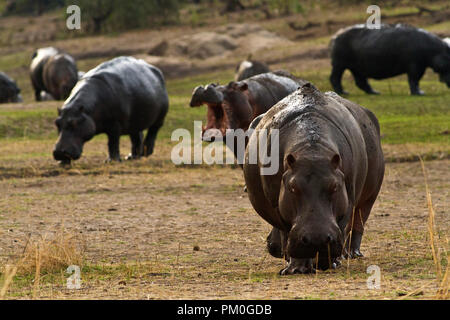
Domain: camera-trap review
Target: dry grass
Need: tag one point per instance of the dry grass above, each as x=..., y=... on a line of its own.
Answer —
x=436, y=247
x=44, y=255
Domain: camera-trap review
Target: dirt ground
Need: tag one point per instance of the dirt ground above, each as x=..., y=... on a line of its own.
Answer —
x=139, y=224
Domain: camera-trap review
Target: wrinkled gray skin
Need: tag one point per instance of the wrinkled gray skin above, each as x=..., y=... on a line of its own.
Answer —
x=123, y=96
x=387, y=52
x=9, y=91
x=53, y=72
x=250, y=68
x=331, y=165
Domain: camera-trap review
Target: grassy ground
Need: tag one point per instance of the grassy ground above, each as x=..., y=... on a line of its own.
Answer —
x=151, y=230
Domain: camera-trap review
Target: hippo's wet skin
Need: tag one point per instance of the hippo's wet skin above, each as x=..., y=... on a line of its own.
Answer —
x=124, y=96
x=387, y=52
x=331, y=170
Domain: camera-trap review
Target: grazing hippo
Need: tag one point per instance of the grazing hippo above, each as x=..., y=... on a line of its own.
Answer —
x=387, y=52
x=54, y=72
x=236, y=105
x=121, y=96
x=331, y=168
x=9, y=91
x=250, y=68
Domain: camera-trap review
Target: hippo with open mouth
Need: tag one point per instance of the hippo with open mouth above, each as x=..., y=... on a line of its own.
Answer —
x=235, y=105
x=387, y=52
x=331, y=168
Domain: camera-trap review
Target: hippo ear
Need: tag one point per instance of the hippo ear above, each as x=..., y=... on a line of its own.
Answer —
x=335, y=161
x=212, y=95
x=290, y=160
x=243, y=87
x=197, y=97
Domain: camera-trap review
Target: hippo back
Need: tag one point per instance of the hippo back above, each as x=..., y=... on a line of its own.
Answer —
x=9, y=92
x=268, y=88
x=39, y=59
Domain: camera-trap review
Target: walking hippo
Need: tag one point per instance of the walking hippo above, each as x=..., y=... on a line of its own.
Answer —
x=54, y=72
x=123, y=96
x=331, y=168
x=249, y=68
x=387, y=52
x=9, y=91
x=235, y=105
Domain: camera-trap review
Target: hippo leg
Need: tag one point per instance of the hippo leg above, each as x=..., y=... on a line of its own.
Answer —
x=274, y=243
x=414, y=77
x=136, y=146
x=363, y=84
x=113, y=143
x=298, y=266
x=336, y=79
x=361, y=215
x=37, y=95
x=149, y=143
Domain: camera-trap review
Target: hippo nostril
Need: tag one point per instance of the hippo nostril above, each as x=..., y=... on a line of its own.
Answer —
x=329, y=239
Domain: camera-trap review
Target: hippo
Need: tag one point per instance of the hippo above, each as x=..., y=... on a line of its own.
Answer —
x=123, y=96
x=54, y=72
x=9, y=91
x=235, y=105
x=249, y=68
x=387, y=52
x=331, y=168
x=447, y=41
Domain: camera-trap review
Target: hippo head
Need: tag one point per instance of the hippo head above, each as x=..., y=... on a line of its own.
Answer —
x=313, y=199
x=9, y=91
x=441, y=65
x=228, y=108
x=75, y=127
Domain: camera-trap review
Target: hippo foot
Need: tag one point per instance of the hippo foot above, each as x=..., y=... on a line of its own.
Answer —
x=418, y=93
x=109, y=160
x=373, y=92
x=65, y=164
x=342, y=93
x=132, y=157
x=298, y=266
x=353, y=254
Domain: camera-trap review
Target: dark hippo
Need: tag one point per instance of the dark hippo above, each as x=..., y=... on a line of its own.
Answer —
x=249, y=68
x=387, y=52
x=121, y=96
x=235, y=105
x=54, y=72
x=9, y=91
x=331, y=168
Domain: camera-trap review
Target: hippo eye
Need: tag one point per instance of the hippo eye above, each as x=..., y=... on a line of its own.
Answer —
x=292, y=187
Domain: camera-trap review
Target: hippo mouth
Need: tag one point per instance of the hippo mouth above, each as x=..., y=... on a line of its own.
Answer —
x=217, y=123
